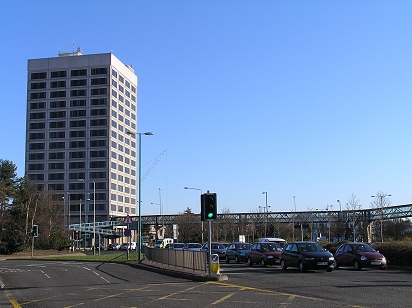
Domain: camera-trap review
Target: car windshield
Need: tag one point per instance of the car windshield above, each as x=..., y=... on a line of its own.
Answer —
x=218, y=246
x=242, y=246
x=194, y=246
x=363, y=248
x=310, y=247
x=271, y=247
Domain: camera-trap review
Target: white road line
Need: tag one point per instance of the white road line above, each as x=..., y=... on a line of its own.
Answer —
x=97, y=274
x=45, y=274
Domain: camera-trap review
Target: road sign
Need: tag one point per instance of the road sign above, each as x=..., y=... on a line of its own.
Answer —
x=127, y=232
x=127, y=220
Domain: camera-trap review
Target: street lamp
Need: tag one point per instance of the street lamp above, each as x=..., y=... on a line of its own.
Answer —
x=161, y=214
x=80, y=224
x=201, y=193
x=266, y=209
x=140, y=188
x=68, y=223
x=339, y=219
x=94, y=219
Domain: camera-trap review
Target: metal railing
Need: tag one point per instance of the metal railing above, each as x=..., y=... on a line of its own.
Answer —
x=185, y=259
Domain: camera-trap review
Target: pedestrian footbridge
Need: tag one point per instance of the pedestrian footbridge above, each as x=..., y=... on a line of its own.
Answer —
x=97, y=227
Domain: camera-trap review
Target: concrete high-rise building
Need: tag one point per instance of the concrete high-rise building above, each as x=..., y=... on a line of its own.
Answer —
x=80, y=109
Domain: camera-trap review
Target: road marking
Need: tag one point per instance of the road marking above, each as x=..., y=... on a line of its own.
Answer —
x=13, y=302
x=101, y=277
x=222, y=299
x=45, y=274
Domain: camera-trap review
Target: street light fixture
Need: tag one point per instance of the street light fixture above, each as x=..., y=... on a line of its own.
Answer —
x=139, y=184
x=94, y=219
x=266, y=209
x=161, y=214
x=201, y=193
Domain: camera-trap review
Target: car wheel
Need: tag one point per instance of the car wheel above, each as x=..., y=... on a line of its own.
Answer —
x=249, y=261
x=301, y=267
x=329, y=269
x=283, y=265
x=227, y=259
x=382, y=268
x=237, y=259
x=356, y=265
x=262, y=262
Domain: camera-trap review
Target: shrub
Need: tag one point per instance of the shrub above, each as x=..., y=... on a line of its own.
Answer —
x=397, y=253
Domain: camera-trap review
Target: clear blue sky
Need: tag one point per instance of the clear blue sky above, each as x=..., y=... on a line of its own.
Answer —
x=297, y=98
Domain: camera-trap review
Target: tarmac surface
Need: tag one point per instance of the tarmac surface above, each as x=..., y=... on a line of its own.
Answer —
x=147, y=265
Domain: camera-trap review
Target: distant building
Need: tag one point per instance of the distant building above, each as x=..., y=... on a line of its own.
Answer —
x=80, y=109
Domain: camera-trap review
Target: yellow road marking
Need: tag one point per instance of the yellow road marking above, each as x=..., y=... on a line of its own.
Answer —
x=222, y=299
x=13, y=302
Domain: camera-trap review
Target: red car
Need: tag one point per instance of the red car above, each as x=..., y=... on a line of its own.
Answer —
x=265, y=253
x=359, y=255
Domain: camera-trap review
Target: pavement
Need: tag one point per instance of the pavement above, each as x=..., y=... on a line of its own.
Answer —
x=177, y=271
x=146, y=265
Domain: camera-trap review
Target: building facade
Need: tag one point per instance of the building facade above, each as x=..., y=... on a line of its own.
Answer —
x=80, y=133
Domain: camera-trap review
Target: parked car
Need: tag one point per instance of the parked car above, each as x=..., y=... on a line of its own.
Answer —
x=217, y=248
x=280, y=241
x=238, y=252
x=306, y=255
x=193, y=246
x=176, y=246
x=359, y=255
x=162, y=243
x=265, y=253
x=99, y=246
x=128, y=245
x=113, y=246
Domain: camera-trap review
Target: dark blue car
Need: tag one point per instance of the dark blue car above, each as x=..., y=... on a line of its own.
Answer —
x=238, y=252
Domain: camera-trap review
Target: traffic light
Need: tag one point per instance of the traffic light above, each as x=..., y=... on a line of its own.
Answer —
x=208, y=207
x=35, y=231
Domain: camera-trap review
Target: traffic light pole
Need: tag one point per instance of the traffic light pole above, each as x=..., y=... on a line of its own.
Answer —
x=32, y=247
x=209, y=245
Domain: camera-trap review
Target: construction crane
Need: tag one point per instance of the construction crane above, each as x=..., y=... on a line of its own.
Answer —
x=153, y=165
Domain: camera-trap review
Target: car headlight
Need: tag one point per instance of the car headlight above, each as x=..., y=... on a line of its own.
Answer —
x=331, y=259
x=383, y=258
x=270, y=257
x=363, y=258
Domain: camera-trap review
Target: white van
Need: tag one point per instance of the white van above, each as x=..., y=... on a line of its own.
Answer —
x=280, y=241
x=161, y=243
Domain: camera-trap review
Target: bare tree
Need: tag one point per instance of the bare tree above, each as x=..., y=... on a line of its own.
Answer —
x=352, y=206
x=227, y=226
x=380, y=202
x=189, y=226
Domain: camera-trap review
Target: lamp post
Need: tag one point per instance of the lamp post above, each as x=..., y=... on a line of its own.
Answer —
x=140, y=188
x=85, y=218
x=161, y=214
x=80, y=225
x=68, y=222
x=266, y=209
x=94, y=219
x=329, y=219
x=339, y=219
x=293, y=220
x=201, y=193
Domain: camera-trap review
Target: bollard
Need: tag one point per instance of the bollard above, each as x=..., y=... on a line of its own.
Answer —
x=214, y=264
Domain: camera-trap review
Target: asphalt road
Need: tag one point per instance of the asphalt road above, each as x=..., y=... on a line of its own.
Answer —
x=31, y=283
